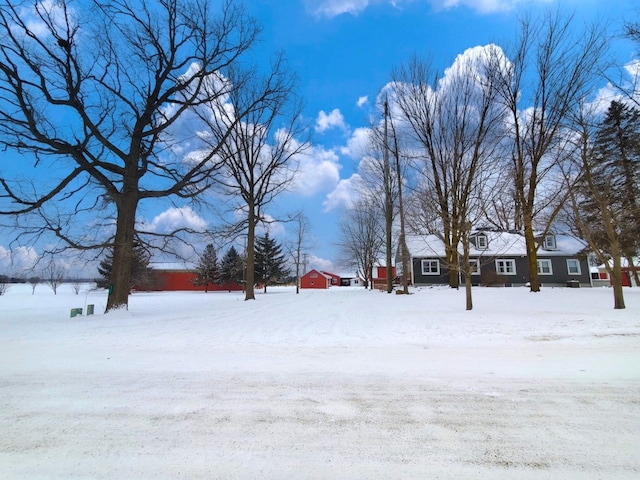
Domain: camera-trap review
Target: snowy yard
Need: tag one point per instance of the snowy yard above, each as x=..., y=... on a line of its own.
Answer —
x=341, y=384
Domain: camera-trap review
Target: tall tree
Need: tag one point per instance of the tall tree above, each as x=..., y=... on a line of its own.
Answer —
x=617, y=150
x=258, y=154
x=230, y=270
x=270, y=262
x=458, y=125
x=207, y=268
x=379, y=183
x=119, y=78
x=596, y=208
x=361, y=238
x=551, y=67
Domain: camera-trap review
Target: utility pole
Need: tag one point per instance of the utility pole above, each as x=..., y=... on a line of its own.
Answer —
x=403, y=241
x=388, y=202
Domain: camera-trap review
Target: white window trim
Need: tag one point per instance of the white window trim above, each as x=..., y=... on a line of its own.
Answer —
x=506, y=261
x=547, y=261
x=550, y=242
x=475, y=262
x=485, y=242
x=430, y=260
x=579, y=272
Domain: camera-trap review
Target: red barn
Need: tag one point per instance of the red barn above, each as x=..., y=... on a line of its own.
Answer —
x=315, y=279
x=173, y=277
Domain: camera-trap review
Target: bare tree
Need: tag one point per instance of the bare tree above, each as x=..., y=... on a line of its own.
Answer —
x=120, y=78
x=299, y=244
x=54, y=276
x=402, y=241
x=379, y=182
x=361, y=238
x=551, y=68
x=34, y=281
x=458, y=124
x=257, y=152
x=76, y=285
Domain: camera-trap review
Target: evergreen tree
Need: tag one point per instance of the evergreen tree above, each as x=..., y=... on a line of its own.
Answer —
x=617, y=152
x=230, y=268
x=269, y=261
x=207, y=268
x=141, y=273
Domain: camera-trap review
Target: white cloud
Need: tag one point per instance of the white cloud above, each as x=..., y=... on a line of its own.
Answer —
x=269, y=224
x=483, y=6
x=333, y=8
x=321, y=264
x=326, y=121
x=359, y=144
x=344, y=195
x=176, y=218
x=18, y=260
x=318, y=170
x=362, y=101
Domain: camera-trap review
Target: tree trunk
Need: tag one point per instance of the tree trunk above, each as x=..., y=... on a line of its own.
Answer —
x=616, y=283
x=467, y=273
x=120, y=281
x=532, y=257
x=250, y=253
x=454, y=270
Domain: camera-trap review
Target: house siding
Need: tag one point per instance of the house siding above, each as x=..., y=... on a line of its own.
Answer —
x=488, y=274
x=561, y=274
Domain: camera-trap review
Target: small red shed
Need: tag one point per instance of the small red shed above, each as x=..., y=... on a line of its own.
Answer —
x=315, y=279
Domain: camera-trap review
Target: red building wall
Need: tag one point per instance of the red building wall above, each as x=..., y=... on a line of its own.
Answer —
x=335, y=279
x=314, y=279
x=181, y=280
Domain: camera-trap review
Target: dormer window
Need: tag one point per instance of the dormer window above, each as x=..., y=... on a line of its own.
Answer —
x=482, y=242
x=549, y=242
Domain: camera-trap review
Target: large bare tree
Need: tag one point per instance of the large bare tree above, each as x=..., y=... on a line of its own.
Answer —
x=93, y=93
x=458, y=124
x=552, y=65
x=257, y=154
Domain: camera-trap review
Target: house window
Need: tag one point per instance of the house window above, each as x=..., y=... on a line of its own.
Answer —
x=544, y=267
x=506, y=267
x=549, y=242
x=481, y=242
x=573, y=266
x=431, y=267
x=474, y=266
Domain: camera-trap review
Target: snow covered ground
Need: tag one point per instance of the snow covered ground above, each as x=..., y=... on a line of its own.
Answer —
x=340, y=384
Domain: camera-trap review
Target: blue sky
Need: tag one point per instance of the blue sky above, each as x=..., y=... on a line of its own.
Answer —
x=342, y=52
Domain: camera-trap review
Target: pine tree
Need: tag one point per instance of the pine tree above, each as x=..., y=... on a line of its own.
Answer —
x=617, y=152
x=230, y=268
x=207, y=268
x=141, y=273
x=269, y=261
